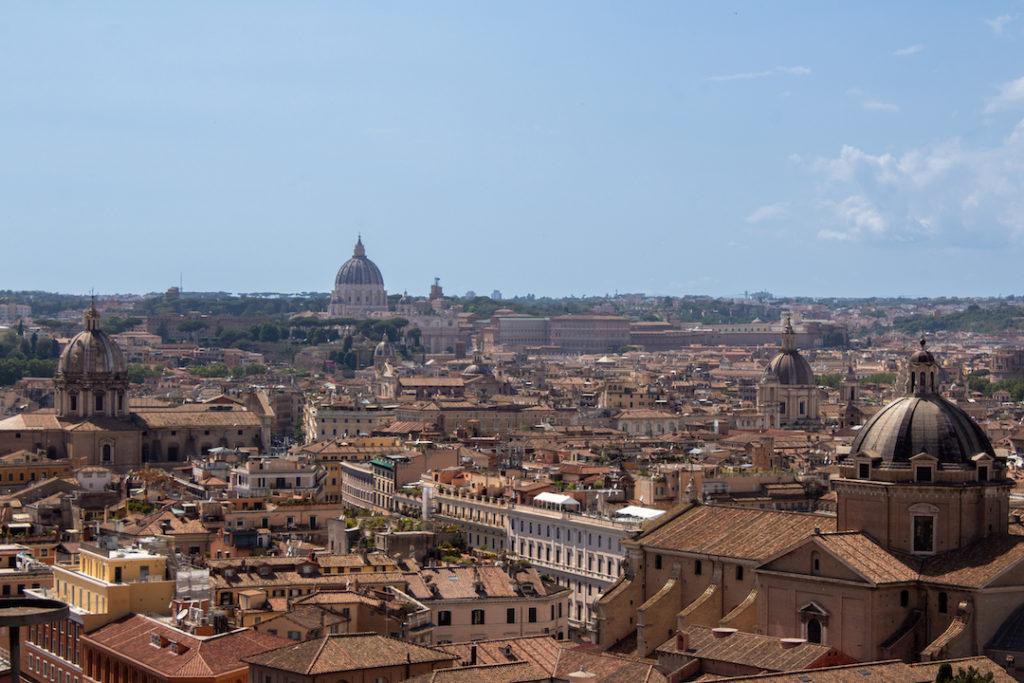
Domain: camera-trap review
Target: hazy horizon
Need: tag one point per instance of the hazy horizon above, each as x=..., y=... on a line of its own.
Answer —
x=578, y=148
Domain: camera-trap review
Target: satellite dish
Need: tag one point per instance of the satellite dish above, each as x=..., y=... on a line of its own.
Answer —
x=180, y=616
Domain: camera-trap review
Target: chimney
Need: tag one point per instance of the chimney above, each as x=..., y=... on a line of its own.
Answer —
x=682, y=641
x=472, y=654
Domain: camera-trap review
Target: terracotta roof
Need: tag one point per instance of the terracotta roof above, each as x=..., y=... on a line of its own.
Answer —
x=737, y=532
x=509, y=672
x=748, y=649
x=889, y=671
x=131, y=638
x=867, y=558
x=559, y=658
x=158, y=419
x=346, y=652
x=975, y=565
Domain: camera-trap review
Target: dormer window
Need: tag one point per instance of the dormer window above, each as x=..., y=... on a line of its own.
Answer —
x=982, y=473
x=923, y=474
x=864, y=470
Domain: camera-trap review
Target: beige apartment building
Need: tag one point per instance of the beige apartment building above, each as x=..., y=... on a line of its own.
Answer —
x=484, y=603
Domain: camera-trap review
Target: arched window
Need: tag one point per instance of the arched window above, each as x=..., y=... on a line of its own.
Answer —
x=99, y=400
x=107, y=452
x=923, y=385
x=815, y=564
x=73, y=398
x=813, y=631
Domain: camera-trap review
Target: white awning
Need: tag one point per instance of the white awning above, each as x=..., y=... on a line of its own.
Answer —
x=555, y=499
x=638, y=512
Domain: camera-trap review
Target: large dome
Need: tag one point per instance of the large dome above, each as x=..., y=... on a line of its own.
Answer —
x=359, y=270
x=922, y=424
x=91, y=354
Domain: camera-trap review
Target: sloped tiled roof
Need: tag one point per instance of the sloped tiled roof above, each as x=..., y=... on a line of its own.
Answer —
x=736, y=532
x=867, y=558
x=131, y=638
x=346, y=652
x=748, y=649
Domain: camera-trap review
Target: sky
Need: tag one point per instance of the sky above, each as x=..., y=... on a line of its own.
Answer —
x=566, y=148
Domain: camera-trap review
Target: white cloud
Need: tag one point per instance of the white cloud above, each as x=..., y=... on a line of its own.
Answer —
x=1010, y=95
x=767, y=73
x=768, y=212
x=878, y=105
x=999, y=23
x=908, y=50
x=947, y=193
x=871, y=103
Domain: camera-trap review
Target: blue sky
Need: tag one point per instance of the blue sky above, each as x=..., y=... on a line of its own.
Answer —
x=867, y=148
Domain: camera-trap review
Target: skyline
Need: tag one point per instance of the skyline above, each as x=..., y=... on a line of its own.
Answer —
x=853, y=151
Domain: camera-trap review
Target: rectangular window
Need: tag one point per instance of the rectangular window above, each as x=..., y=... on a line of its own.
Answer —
x=864, y=471
x=924, y=474
x=533, y=615
x=739, y=572
x=697, y=568
x=657, y=561
x=477, y=617
x=924, y=534
x=510, y=615
x=444, y=618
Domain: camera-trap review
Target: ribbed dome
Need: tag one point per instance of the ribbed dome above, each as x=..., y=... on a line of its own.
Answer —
x=91, y=354
x=789, y=367
x=359, y=270
x=924, y=423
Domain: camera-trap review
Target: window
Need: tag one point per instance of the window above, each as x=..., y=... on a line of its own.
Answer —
x=813, y=631
x=294, y=635
x=477, y=617
x=923, y=474
x=904, y=598
x=444, y=618
x=982, y=473
x=657, y=561
x=864, y=471
x=510, y=615
x=74, y=403
x=815, y=564
x=697, y=568
x=943, y=603
x=739, y=572
x=533, y=615
x=107, y=453
x=99, y=401
x=924, y=533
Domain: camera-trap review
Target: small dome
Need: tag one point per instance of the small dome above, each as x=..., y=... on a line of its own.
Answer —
x=788, y=366
x=359, y=270
x=91, y=353
x=384, y=349
x=923, y=356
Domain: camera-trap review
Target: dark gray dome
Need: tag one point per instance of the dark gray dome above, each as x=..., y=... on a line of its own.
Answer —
x=359, y=270
x=925, y=423
x=789, y=367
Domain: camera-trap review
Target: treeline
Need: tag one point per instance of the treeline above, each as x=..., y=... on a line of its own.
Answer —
x=999, y=318
x=979, y=381
x=243, y=305
x=24, y=355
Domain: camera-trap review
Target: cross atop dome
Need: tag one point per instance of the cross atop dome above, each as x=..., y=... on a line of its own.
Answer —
x=360, y=250
x=788, y=335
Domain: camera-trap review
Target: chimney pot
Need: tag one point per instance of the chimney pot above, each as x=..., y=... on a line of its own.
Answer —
x=682, y=641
